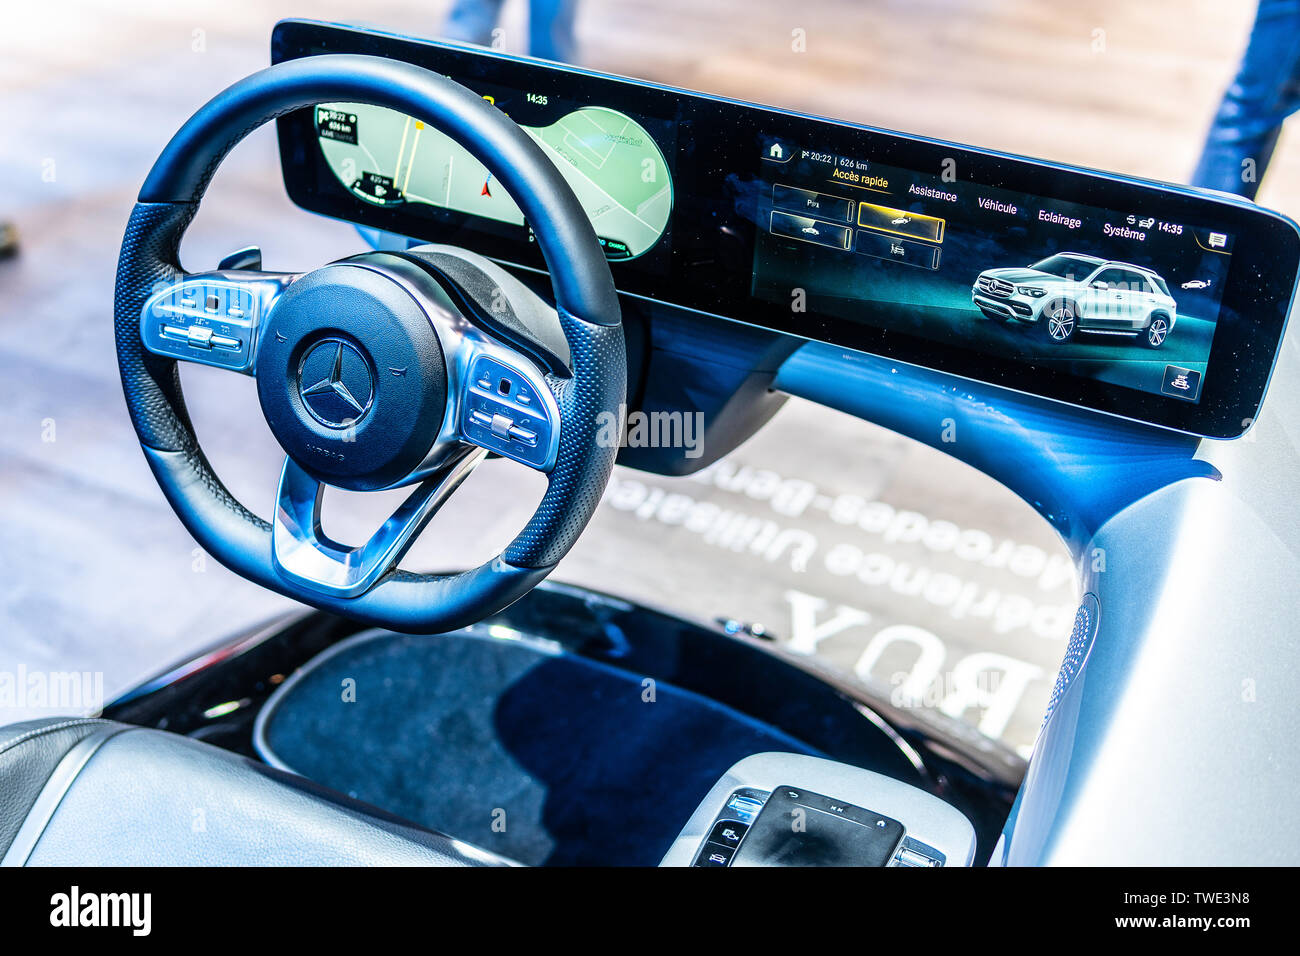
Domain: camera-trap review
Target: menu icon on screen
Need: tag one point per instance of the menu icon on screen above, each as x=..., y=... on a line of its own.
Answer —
x=1184, y=383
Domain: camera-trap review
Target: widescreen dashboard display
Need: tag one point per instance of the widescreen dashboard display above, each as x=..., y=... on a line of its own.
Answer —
x=1123, y=296
x=1155, y=303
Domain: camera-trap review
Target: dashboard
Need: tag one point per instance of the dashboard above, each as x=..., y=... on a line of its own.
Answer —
x=1154, y=302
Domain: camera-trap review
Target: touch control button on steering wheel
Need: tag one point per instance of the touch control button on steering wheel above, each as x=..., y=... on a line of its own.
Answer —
x=352, y=378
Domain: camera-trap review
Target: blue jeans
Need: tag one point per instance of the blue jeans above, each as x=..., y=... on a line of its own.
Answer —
x=550, y=25
x=1265, y=92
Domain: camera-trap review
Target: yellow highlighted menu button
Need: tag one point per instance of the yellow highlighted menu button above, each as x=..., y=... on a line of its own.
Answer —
x=900, y=222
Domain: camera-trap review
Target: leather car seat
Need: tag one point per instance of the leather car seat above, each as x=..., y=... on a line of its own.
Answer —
x=86, y=792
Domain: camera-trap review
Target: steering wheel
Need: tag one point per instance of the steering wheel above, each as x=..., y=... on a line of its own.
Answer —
x=378, y=371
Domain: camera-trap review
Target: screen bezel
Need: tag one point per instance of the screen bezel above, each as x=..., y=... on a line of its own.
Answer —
x=708, y=266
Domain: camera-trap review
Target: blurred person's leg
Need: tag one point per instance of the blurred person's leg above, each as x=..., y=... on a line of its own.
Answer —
x=472, y=21
x=550, y=29
x=550, y=25
x=1264, y=93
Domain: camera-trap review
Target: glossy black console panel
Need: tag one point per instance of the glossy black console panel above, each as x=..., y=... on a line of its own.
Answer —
x=584, y=769
x=217, y=696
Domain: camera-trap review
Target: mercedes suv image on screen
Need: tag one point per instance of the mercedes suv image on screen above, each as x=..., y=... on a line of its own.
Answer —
x=1071, y=292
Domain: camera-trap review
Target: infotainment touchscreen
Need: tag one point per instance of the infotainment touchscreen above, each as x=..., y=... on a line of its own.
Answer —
x=1122, y=295
x=1155, y=302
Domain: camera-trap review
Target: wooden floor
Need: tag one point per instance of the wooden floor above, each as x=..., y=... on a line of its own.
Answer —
x=95, y=572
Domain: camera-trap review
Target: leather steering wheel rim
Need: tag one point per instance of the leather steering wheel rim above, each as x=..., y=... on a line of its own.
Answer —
x=586, y=303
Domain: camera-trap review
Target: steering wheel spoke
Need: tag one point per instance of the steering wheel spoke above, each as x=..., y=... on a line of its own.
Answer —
x=303, y=553
x=212, y=318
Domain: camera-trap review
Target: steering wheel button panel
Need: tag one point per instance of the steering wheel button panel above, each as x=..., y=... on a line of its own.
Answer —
x=210, y=319
x=509, y=410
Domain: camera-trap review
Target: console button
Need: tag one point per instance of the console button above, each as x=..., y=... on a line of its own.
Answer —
x=715, y=854
x=728, y=833
x=744, y=807
x=910, y=857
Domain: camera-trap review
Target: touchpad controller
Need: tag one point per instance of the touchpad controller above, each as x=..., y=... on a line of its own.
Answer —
x=800, y=828
x=783, y=809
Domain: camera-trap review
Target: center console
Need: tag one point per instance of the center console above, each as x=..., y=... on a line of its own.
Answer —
x=778, y=809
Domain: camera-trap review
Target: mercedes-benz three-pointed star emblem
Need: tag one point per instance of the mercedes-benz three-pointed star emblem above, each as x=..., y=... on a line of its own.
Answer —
x=341, y=386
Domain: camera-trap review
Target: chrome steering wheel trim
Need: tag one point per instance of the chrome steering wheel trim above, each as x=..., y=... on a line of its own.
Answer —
x=303, y=553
